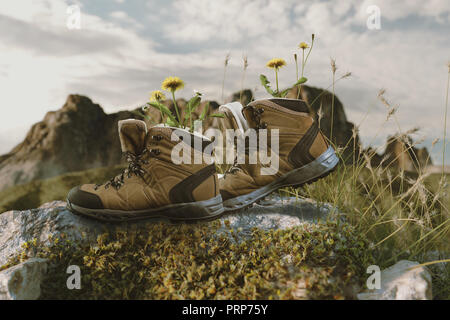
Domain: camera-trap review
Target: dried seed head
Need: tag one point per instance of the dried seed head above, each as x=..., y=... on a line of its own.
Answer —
x=348, y=74
x=227, y=59
x=245, y=58
x=333, y=65
x=412, y=131
x=355, y=131
x=434, y=142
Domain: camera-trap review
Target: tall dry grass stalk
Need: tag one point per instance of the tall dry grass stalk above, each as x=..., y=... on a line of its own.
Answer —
x=225, y=65
x=445, y=120
x=333, y=70
x=244, y=71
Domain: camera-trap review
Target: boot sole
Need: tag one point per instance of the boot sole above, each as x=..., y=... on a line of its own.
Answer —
x=193, y=211
x=313, y=171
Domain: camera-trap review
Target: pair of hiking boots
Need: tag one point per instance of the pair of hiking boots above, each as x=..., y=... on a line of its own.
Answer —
x=154, y=186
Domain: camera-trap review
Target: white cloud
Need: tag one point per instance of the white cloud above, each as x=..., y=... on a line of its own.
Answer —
x=122, y=16
x=114, y=61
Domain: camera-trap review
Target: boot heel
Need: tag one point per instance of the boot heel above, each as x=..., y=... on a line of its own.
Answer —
x=314, y=170
x=200, y=210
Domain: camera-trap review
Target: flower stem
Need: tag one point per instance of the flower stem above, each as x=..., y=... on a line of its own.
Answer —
x=176, y=107
x=276, y=77
x=303, y=69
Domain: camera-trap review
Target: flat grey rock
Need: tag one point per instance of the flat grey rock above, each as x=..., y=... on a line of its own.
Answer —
x=275, y=212
x=23, y=281
x=402, y=281
x=53, y=219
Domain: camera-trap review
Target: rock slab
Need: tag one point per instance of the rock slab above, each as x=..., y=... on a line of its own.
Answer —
x=402, y=281
x=53, y=219
x=23, y=281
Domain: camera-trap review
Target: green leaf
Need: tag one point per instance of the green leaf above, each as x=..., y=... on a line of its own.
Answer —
x=143, y=115
x=266, y=84
x=284, y=93
x=205, y=112
x=300, y=81
x=172, y=123
x=192, y=104
x=164, y=110
x=217, y=115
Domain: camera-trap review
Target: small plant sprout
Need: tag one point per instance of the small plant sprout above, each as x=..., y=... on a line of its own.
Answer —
x=173, y=84
x=276, y=64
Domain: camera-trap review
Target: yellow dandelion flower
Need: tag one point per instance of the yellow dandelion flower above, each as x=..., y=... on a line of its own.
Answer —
x=276, y=63
x=303, y=45
x=172, y=84
x=157, y=95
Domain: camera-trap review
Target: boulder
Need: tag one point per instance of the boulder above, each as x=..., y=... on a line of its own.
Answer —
x=53, y=219
x=23, y=281
x=77, y=137
x=400, y=153
x=402, y=281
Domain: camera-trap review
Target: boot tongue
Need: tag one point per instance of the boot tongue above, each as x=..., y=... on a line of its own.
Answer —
x=132, y=135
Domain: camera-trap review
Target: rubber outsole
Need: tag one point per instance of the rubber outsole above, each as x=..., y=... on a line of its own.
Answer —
x=181, y=212
x=313, y=171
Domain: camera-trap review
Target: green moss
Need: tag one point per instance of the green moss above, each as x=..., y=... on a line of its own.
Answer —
x=196, y=262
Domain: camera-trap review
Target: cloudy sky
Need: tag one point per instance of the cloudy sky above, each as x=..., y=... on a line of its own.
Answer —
x=125, y=48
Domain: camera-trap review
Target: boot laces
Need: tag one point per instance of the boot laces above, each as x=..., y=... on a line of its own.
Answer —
x=256, y=116
x=135, y=163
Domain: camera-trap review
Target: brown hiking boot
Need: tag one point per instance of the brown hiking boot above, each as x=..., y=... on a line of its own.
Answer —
x=303, y=156
x=153, y=186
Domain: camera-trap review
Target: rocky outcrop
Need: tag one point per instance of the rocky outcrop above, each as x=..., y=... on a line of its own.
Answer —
x=402, y=281
x=401, y=153
x=77, y=137
x=244, y=97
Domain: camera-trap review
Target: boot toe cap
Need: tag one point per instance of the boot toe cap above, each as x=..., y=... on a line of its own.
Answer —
x=84, y=199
